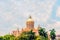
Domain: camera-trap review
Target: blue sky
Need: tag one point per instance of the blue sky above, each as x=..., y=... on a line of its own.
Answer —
x=14, y=13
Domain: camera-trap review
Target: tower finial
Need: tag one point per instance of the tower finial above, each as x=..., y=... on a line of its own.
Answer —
x=39, y=27
x=30, y=16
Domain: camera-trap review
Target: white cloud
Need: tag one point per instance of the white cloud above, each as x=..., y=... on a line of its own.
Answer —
x=58, y=32
x=40, y=10
x=7, y=17
x=55, y=25
x=58, y=12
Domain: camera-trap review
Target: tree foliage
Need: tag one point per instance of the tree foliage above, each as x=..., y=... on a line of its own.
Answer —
x=42, y=32
x=30, y=35
x=1, y=37
x=52, y=34
x=27, y=36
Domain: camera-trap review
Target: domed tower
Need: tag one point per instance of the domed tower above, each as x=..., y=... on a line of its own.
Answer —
x=30, y=23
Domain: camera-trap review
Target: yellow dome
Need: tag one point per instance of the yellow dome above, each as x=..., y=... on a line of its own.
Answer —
x=30, y=19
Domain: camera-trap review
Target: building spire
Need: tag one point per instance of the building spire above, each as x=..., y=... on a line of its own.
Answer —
x=30, y=17
x=39, y=27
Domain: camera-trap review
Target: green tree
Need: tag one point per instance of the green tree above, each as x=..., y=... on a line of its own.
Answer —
x=31, y=35
x=23, y=36
x=9, y=37
x=43, y=33
x=41, y=38
x=27, y=36
x=52, y=34
x=1, y=37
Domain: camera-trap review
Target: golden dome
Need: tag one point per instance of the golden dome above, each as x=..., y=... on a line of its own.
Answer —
x=30, y=19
